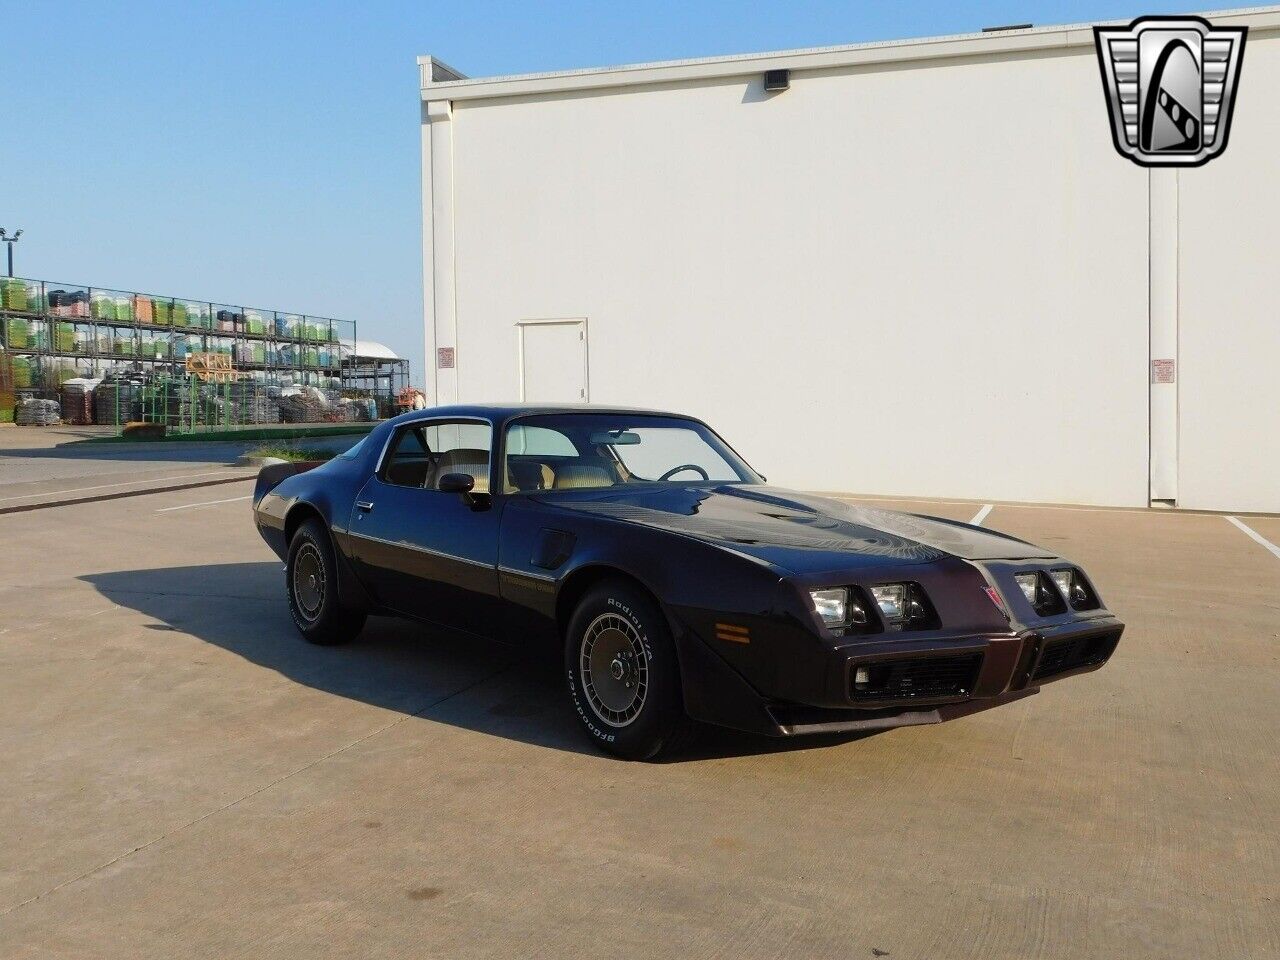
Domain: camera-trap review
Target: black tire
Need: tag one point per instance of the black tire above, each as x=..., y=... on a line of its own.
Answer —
x=311, y=580
x=617, y=632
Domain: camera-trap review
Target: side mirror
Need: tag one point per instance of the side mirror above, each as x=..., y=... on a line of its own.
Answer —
x=456, y=483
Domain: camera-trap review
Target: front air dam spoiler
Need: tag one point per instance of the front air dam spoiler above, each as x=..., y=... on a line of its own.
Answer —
x=804, y=722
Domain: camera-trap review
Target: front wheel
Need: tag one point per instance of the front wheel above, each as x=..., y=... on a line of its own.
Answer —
x=312, y=579
x=623, y=678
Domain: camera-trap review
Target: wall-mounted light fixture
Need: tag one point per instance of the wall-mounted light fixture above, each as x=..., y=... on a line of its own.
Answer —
x=776, y=81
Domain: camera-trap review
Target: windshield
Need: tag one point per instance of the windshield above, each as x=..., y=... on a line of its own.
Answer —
x=580, y=450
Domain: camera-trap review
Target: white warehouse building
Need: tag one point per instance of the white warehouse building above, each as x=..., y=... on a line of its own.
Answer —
x=922, y=270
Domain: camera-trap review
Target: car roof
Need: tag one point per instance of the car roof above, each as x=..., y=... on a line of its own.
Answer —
x=499, y=413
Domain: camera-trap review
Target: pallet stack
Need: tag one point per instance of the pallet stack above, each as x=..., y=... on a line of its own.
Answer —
x=116, y=401
x=77, y=400
x=37, y=413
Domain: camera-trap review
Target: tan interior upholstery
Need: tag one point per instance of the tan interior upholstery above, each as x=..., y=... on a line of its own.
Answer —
x=581, y=475
x=464, y=460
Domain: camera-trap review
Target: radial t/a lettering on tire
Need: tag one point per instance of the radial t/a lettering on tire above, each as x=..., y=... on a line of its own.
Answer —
x=622, y=674
x=312, y=584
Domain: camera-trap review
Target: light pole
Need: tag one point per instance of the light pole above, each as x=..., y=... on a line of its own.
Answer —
x=10, y=241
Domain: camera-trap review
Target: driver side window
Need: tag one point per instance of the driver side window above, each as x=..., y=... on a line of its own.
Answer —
x=421, y=454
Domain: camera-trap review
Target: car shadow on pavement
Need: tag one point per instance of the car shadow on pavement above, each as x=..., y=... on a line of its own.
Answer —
x=492, y=688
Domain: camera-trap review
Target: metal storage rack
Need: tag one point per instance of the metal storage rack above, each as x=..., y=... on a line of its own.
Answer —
x=381, y=378
x=50, y=333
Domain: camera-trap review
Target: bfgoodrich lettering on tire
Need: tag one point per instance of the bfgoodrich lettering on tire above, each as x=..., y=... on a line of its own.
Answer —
x=312, y=583
x=622, y=674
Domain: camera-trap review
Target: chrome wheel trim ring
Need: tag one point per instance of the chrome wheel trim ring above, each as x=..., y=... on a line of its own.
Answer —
x=308, y=582
x=614, y=669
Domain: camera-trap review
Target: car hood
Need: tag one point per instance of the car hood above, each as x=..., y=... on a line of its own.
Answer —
x=794, y=531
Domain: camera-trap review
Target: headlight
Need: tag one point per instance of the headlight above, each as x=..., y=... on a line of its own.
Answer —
x=832, y=605
x=1073, y=587
x=1064, y=580
x=1035, y=587
x=891, y=598
x=1029, y=584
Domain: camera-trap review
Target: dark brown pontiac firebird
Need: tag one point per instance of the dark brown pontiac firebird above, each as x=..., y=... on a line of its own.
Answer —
x=676, y=582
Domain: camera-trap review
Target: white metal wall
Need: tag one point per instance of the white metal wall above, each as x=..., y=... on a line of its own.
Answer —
x=1229, y=319
x=925, y=279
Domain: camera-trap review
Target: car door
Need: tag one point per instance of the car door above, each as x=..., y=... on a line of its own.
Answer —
x=424, y=552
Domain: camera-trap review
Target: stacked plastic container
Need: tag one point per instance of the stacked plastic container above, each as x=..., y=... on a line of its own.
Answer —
x=93, y=331
x=13, y=295
x=18, y=336
x=102, y=306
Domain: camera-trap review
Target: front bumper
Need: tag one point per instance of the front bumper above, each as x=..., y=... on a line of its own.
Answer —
x=893, y=683
x=906, y=672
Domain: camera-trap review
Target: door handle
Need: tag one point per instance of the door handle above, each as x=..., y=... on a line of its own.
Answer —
x=365, y=505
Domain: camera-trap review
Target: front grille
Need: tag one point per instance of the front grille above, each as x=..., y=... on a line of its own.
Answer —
x=1062, y=655
x=915, y=678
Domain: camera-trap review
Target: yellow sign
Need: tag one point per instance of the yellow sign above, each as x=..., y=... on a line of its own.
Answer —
x=211, y=366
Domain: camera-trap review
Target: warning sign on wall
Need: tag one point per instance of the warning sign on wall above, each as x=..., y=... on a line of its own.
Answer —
x=444, y=358
x=1163, y=371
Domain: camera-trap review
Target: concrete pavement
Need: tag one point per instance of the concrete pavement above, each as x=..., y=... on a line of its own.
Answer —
x=181, y=775
x=50, y=464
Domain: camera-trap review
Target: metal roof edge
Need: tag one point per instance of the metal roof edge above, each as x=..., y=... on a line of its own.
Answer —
x=811, y=58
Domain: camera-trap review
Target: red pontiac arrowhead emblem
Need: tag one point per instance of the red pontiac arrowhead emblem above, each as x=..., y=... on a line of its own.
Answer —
x=995, y=598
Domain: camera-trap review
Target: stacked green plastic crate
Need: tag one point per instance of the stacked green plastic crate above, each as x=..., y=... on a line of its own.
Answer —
x=102, y=307
x=18, y=335
x=13, y=294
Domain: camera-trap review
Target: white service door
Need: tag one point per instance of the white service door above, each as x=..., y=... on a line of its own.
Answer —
x=553, y=362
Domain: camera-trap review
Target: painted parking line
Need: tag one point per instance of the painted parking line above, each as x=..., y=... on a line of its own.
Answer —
x=981, y=514
x=206, y=503
x=1254, y=535
x=122, y=483
x=1071, y=508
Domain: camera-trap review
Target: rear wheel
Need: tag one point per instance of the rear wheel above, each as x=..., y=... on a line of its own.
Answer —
x=624, y=681
x=312, y=581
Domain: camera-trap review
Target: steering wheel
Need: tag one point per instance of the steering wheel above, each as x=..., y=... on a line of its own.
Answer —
x=684, y=466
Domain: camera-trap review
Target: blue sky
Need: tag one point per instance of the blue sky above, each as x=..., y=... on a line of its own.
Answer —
x=266, y=153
